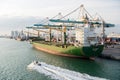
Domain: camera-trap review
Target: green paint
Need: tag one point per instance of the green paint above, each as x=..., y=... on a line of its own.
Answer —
x=78, y=51
x=93, y=50
x=73, y=50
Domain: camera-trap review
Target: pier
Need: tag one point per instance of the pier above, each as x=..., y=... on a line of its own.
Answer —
x=111, y=53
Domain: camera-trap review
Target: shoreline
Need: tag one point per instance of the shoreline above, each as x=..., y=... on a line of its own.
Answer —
x=111, y=53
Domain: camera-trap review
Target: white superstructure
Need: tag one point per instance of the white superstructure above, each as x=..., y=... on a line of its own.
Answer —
x=86, y=36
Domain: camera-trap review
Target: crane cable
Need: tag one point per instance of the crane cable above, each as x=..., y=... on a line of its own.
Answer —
x=70, y=13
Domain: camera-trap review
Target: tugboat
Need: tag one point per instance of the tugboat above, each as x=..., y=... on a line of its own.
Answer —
x=84, y=42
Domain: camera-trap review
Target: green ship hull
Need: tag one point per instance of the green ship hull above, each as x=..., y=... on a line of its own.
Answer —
x=92, y=51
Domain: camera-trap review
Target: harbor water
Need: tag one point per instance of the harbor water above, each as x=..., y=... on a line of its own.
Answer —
x=15, y=56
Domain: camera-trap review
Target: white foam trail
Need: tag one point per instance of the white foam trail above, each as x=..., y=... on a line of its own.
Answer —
x=60, y=73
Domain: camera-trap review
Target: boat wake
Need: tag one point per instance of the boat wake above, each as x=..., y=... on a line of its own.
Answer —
x=59, y=73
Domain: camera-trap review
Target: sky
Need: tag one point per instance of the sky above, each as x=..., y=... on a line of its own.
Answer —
x=17, y=14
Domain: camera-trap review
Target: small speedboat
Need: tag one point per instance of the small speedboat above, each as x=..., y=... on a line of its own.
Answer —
x=33, y=64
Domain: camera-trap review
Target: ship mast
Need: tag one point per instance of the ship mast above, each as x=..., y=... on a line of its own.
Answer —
x=103, y=29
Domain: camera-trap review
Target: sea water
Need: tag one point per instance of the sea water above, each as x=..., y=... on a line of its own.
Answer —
x=15, y=56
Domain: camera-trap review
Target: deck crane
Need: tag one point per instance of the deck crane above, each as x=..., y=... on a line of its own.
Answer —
x=85, y=18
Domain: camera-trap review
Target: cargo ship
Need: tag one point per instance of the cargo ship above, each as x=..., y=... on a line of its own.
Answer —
x=82, y=41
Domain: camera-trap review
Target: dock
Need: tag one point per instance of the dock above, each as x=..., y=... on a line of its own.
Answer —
x=111, y=52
